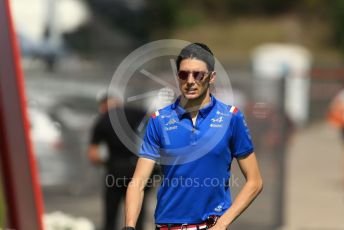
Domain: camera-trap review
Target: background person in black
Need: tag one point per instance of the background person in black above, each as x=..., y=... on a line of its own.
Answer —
x=120, y=162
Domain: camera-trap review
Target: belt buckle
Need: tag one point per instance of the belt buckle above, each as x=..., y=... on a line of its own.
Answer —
x=184, y=226
x=211, y=221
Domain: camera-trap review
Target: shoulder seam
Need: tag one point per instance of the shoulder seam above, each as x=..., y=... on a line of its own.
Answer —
x=233, y=109
x=155, y=114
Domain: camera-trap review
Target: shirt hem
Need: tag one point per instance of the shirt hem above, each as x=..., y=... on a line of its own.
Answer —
x=179, y=222
x=245, y=153
x=148, y=157
x=184, y=221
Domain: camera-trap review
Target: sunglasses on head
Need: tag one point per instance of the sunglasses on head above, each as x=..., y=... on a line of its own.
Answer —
x=197, y=75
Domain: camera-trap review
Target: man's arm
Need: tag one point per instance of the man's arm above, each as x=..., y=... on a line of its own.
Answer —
x=251, y=189
x=135, y=191
x=97, y=137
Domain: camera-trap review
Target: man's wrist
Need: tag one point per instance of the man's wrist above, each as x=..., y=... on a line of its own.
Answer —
x=128, y=228
x=222, y=223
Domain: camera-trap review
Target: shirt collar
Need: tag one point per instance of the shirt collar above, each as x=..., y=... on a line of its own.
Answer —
x=203, y=111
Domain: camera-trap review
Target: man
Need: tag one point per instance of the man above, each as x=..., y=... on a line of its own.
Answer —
x=120, y=163
x=195, y=140
x=335, y=116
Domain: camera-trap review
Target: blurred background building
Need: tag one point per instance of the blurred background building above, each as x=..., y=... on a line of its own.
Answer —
x=285, y=60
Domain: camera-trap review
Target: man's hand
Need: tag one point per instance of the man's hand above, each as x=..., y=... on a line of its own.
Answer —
x=93, y=154
x=219, y=226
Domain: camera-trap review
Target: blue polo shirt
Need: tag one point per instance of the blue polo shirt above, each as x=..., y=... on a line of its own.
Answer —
x=195, y=159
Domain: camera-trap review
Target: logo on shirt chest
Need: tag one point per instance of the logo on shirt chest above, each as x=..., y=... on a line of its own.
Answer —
x=170, y=125
x=222, y=114
x=216, y=122
x=171, y=122
x=171, y=128
x=219, y=208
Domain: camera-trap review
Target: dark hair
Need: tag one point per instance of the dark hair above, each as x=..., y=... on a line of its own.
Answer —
x=198, y=51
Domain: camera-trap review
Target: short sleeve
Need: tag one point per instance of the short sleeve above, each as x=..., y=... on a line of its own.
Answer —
x=150, y=147
x=241, y=142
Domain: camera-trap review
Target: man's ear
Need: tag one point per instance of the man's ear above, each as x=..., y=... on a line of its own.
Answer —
x=212, y=77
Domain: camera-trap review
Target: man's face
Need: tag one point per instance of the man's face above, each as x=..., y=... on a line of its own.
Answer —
x=194, y=86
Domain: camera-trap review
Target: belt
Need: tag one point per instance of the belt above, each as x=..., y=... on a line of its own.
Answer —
x=181, y=227
x=209, y=222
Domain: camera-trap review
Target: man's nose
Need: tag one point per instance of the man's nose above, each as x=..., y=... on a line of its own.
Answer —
x=190, y=79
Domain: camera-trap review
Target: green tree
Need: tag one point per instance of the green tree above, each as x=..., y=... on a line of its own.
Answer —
x=337, y=13
x=148, y=18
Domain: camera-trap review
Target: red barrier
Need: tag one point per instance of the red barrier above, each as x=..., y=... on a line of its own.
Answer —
x=18, y=167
